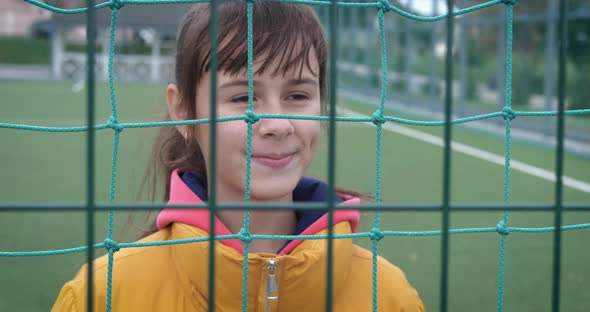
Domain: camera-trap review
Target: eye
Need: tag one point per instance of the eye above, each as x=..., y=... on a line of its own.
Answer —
x=241, y=99
x=297, y=97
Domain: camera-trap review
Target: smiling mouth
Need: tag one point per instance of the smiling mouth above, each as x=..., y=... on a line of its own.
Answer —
x=274, y=161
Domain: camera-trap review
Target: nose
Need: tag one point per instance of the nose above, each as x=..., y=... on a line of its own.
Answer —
x=275, y=128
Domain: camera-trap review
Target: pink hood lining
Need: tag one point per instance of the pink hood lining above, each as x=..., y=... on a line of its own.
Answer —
x=180, y=193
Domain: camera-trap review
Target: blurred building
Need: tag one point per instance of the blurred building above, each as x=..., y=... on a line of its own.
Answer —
x=150, y=27
x=17, y=18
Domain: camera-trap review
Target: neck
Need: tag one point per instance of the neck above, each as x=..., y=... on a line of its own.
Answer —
x=270, y=222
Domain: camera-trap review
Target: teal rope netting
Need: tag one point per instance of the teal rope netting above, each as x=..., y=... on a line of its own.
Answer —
x=378, y=119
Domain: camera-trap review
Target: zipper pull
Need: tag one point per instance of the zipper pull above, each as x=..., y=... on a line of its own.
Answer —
x=272, y=289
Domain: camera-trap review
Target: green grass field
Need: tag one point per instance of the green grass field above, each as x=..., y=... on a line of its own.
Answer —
x=50, y=167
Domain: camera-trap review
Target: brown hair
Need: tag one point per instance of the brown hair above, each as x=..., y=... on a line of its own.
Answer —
x=282, y=31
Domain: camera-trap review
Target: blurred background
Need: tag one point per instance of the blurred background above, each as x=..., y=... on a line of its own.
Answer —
x=42, y=82
x=40, y=45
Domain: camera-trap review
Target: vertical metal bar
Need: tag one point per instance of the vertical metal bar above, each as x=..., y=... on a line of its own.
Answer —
x=550, y=57
x=333, y=55
x=408, y=55
x=396, y=42
x=90, y=95
x=434, y=64
x=464, y=64
x=559, y=159
x=340, y=23
x=213, y=24
x=354, y=47
x=525, y=79
x=444, y=280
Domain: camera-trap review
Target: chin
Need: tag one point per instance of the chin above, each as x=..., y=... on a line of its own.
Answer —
x=273, y=187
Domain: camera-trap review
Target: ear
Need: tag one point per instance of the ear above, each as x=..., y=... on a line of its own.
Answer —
x=175, y=110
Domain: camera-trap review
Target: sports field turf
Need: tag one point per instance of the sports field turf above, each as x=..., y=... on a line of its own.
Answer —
x=50, y=167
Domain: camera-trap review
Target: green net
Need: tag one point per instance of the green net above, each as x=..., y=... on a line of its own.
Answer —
x=378, y=119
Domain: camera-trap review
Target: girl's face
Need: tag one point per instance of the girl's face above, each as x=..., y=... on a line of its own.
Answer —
x=282, y=149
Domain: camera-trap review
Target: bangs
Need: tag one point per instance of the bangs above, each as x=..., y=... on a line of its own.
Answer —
x=282, y=32
x=284, y=35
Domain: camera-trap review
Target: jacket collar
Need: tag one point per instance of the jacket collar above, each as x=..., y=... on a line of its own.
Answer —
x=180, y=193
x=301, y=274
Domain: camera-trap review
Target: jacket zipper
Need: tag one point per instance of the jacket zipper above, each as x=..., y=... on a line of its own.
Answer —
x=272, y=289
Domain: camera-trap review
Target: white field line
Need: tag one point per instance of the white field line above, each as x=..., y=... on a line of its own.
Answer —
x=477, y=153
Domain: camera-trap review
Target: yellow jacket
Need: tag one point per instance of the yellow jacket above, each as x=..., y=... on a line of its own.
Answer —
x=175, y=277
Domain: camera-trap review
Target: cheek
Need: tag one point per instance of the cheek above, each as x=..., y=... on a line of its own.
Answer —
x=232, y=135
x=311, y=131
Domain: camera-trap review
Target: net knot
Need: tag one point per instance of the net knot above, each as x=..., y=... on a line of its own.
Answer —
x=501, y=228
x=251, y=117
x=111, y=245
x=376, y=234
x=509, y=2
x=508, y=113
x=377, y=118
x=114, y=124
x=384, y=6
x=117, y=4
x=245, y=236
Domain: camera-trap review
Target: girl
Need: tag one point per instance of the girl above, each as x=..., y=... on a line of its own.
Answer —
x=290, y=78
